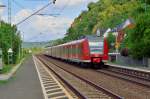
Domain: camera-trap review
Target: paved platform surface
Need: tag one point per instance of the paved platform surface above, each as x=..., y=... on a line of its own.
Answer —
x=144, y=69
x=24, y=84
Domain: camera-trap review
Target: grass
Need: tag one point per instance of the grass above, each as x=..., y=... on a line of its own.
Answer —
x=6, y=69
x=3, y=82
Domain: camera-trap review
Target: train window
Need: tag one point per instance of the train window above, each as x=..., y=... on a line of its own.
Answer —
x=96, y=47
x=65, y=51
x=80, y=50
x=68, y=51
x=76, y=50
x=71, y=50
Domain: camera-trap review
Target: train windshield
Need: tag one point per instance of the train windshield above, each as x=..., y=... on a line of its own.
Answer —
x=96, y=47
x=96, y=44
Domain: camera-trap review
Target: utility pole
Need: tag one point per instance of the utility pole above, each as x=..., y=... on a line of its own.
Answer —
x=9, y=11
x=10, y=51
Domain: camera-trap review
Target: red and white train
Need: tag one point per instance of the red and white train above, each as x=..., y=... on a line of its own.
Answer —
x=89, y=50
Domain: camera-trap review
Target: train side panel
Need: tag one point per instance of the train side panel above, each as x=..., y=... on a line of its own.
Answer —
x=79, y=51
x=106, y=51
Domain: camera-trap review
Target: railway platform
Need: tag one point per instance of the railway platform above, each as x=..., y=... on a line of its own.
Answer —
x=142, y=69
x=24, y=84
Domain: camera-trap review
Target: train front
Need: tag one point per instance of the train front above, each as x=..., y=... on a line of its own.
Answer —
x=98, y=50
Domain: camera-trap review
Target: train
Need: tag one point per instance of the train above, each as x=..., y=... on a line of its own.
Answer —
x=91, y=50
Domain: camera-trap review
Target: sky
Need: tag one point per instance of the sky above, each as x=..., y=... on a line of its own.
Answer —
x=43, y=28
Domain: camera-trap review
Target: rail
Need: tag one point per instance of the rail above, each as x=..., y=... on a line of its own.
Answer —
x=113, y=95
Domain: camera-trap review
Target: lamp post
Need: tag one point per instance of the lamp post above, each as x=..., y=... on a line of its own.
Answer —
x=10, y=53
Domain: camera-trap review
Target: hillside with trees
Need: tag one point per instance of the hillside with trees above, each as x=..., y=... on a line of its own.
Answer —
x=106, y=14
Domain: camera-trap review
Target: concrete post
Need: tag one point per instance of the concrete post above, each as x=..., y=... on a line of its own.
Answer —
x=149, y=62
x=1, y=62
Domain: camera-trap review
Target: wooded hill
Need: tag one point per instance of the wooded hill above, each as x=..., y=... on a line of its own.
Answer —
x=106, y=14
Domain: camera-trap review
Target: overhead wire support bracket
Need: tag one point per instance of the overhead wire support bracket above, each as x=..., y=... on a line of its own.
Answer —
x=45, y=6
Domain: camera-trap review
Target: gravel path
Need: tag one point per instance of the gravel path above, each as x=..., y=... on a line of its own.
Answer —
x=24, y=85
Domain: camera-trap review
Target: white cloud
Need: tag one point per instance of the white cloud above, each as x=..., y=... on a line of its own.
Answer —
x=72, y=2
x=42, y=27
x=21, y=15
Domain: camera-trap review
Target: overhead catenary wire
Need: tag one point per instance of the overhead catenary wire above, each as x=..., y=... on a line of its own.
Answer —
x=45, y=6
x=60, y=11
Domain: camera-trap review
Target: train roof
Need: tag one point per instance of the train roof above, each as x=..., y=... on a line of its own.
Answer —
x=88, y=37
x=94, y=38
x=72, y=42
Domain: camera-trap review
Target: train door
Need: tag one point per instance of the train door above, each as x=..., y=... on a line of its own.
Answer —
x=65, y=52
x=77, y=51
x=71, y=50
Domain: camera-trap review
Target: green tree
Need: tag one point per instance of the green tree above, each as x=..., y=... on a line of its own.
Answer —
x=139, y=37
x=111, y=41
x=102, y=15
x=9, y=38
x=106, y=14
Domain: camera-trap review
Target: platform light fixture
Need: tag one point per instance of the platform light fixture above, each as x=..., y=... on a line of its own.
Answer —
x=54, y=1
x=1, y=6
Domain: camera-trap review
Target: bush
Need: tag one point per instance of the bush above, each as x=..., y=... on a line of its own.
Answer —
x=139, y=37
x=9, y=38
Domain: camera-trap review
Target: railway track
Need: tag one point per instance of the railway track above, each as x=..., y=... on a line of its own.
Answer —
x=84, y=88
x=137, y=73
x=52, y=89
x=122, y=87
x=141, y=78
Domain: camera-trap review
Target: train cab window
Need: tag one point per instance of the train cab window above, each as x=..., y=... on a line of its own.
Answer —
x=96, y=47
x=96, y=44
